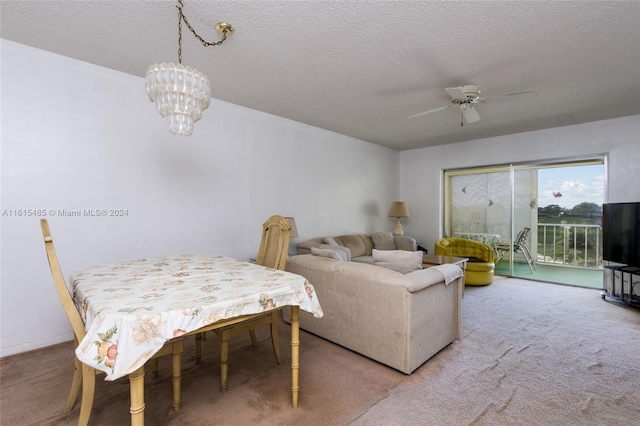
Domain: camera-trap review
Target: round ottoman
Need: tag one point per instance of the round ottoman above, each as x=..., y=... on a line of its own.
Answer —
x=479, y=273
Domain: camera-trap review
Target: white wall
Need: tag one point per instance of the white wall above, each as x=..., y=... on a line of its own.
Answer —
x=79, y=136
x=422, y=169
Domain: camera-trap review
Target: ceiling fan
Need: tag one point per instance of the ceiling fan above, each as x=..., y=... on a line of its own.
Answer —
x=464, y=97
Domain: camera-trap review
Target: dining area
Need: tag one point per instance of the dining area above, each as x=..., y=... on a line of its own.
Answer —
x=131, y=317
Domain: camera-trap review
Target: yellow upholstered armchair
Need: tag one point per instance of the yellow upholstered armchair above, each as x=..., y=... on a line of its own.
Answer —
x=479, y=270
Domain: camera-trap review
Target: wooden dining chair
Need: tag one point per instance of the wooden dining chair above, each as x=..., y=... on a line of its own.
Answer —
x=272, y=253
x=83, y=374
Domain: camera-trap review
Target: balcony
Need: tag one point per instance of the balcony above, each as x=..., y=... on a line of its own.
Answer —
x=570, y=245
x=564, y=253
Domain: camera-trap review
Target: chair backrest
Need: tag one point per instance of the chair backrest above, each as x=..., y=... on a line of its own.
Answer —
x=522, y=236
x=461, y=247
x=521, y=240
x=58, y=279
x=274, y=245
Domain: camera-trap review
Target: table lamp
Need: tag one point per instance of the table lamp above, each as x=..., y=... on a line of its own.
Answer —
x=399, y=209
x=294, y=229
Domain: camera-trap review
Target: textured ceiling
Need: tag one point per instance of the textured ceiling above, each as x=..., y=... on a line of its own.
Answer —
x=361, y=67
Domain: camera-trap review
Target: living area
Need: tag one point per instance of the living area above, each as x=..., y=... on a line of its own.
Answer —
x=63, y=150
x=525, y=357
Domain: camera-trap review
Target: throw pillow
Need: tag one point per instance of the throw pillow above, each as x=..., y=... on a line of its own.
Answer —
x=383, y=241
x=331, y=254
x=399, y=260
x=330, y=241
x=345, y=250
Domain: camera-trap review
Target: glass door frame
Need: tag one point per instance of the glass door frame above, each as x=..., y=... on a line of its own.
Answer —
x=446, y=224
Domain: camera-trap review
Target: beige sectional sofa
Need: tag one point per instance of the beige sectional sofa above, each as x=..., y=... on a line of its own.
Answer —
x=398, y=320
x=361, y=245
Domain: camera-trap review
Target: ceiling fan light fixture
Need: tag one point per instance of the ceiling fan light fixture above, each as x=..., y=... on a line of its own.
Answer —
x=182, y=93
x=469, y=113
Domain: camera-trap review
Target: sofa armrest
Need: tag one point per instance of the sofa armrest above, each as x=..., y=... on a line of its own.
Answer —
x=419, y=280
x=304, y=247
x=405, y=243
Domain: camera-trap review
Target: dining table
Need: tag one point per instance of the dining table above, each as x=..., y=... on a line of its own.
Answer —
x=132, y=308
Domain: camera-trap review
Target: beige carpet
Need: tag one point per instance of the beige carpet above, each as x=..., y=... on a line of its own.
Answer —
x=531, y=354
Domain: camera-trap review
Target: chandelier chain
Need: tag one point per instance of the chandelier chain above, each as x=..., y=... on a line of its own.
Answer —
x=182, y=17
x=180, y=34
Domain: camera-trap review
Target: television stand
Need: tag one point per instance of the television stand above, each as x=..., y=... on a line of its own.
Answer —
x=622, y=283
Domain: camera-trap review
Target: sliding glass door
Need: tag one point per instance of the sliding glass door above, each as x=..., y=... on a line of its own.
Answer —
x=500, y=205
x=482, y=202
x=478, y=203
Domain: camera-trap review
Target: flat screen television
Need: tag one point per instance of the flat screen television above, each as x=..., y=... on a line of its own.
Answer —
x=621, y=233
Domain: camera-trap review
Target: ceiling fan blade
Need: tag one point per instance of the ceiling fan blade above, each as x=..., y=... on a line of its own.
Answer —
x=456, y=93
x=430, y=111
x=517, y=95
x=471, y=115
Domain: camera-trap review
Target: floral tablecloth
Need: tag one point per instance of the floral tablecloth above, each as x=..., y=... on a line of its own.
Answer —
x=131, y=309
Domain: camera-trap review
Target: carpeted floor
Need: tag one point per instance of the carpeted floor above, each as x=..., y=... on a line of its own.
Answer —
x=531, y=354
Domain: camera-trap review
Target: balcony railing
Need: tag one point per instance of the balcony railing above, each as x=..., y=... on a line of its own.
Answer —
x=569, y=244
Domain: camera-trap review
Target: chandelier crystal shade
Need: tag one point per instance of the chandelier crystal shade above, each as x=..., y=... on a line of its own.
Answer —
x=182, y=93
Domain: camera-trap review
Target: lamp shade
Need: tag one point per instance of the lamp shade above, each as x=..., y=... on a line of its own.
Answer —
x=294, y=229
x=399, y=209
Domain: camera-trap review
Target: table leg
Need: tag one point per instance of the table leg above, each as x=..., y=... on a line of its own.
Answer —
x=136, y=389
x=88, y=389
x=295, y=354
x=199, y=347
x=224, y=359
x=176, y=366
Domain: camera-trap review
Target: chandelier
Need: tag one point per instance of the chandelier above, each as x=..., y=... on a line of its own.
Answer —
x=182, y=93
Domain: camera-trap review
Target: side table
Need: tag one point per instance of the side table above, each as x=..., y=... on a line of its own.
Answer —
x=435, y=259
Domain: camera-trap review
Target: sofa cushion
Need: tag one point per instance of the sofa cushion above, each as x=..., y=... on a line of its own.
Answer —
x=330, y=241
x=331, y=254
x=383, y=241
x=363, y=259
x=355, y=243
x=345, y=250
x=398, y=260
x=359, y=244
